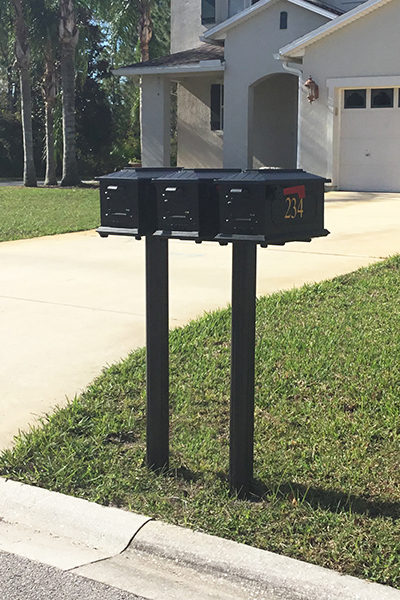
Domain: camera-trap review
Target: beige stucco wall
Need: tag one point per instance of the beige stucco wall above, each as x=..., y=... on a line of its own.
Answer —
x=186, y=27
x=249, y=50
x=366, y=48
x=198, y=146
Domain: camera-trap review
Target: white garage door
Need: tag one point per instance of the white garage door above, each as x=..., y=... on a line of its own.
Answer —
x=369, y=153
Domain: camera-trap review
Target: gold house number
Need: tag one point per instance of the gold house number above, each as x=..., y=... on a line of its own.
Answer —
x=295, y=204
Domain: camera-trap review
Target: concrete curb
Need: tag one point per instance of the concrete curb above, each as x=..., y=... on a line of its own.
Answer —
x=60, y=530
x=71, y=533
x=278, y=576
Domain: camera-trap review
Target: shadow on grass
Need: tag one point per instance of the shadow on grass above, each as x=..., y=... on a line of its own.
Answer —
x=331, y=500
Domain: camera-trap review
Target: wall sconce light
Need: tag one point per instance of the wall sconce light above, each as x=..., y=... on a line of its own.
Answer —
x=313, y=90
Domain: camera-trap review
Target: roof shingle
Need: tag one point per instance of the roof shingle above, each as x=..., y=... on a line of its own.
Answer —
x=187, y=57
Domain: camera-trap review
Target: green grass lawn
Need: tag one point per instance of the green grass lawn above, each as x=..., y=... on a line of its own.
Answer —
x=33, y=212
x=327, y=430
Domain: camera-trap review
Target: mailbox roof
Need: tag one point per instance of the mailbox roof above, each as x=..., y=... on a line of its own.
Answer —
x=198, y=174
x=140, y=173
x=269, y=175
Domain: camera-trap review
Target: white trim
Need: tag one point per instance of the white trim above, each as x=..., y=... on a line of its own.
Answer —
x=378, y=81
x=218, y=32
x=297, y=47
x=194, y=69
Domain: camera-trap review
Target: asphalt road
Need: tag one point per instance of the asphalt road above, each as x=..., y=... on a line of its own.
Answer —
x=23, y=579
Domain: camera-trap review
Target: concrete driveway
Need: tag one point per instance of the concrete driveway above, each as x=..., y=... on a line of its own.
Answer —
x=72, y=304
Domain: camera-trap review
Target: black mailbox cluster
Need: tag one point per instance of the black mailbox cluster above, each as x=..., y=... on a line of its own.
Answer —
x=265, y=206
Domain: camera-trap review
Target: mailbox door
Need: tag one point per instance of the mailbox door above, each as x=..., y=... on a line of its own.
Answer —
x=242, y=209
x=178, y=207
x=119, y=205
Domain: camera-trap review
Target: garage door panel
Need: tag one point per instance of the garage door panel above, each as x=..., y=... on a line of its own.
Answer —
x=369, y=149
x=376, y=123
x=371, y=152
x=369, y=178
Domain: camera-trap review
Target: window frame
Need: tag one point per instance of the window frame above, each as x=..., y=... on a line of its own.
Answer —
x=352, y=91
x=208, y=12
x=378, y=90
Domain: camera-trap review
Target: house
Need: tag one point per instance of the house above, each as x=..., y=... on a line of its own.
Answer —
x=279, y=83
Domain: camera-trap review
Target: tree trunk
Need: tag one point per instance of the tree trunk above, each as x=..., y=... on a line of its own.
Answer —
x=49, y=90
x=69, y=38
x=50, y=178
x=145, y=28
x=22, y=61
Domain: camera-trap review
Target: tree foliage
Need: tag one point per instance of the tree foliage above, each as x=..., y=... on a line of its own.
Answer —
x=107, y=107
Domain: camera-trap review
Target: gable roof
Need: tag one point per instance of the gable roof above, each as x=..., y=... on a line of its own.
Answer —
x=204, y=58
x=297, y=48
x=218, y=32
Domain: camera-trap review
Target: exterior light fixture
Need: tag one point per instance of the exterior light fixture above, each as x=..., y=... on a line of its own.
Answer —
x=313, y=90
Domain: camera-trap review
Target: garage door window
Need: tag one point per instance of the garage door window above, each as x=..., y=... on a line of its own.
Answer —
x=355, y=98
x=382, y=98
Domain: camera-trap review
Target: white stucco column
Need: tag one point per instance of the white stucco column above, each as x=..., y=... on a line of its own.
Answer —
x=155, y=115
x=238, y=116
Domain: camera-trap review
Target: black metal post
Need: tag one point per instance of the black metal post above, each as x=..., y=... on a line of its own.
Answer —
x=157, y=353
x=242, y=367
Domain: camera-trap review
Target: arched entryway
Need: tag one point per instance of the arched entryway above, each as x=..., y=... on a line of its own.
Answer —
x=273, y=126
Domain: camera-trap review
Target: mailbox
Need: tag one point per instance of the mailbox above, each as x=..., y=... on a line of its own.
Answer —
x=271, y=206
x=187, y=204
x=128, y=201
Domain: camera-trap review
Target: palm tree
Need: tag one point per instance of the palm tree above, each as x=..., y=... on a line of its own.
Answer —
x=7, y=52
x=69, y=34
x=126, y=17
x=49, y=92
x=44, y=16
x=22, y=62
x=145, y=28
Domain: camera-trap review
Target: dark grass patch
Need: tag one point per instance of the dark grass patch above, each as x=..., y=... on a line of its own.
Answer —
x=34, y=212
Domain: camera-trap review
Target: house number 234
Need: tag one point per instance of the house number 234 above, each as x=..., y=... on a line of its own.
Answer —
x=295, y=206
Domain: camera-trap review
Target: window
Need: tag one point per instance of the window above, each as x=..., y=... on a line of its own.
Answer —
x=236, y=6
x=207, y=11
x=217, y=106
x=382, y=98
x=355, y=98
x=283, y=20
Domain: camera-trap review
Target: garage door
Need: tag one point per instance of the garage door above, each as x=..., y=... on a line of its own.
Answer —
x=369, y=153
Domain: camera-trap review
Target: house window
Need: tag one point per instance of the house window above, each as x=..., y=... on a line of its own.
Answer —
x=382, y=98
x=207, y=12
x=283, y=20
x=217, y=106
x=236, y=6
x=355, y=98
